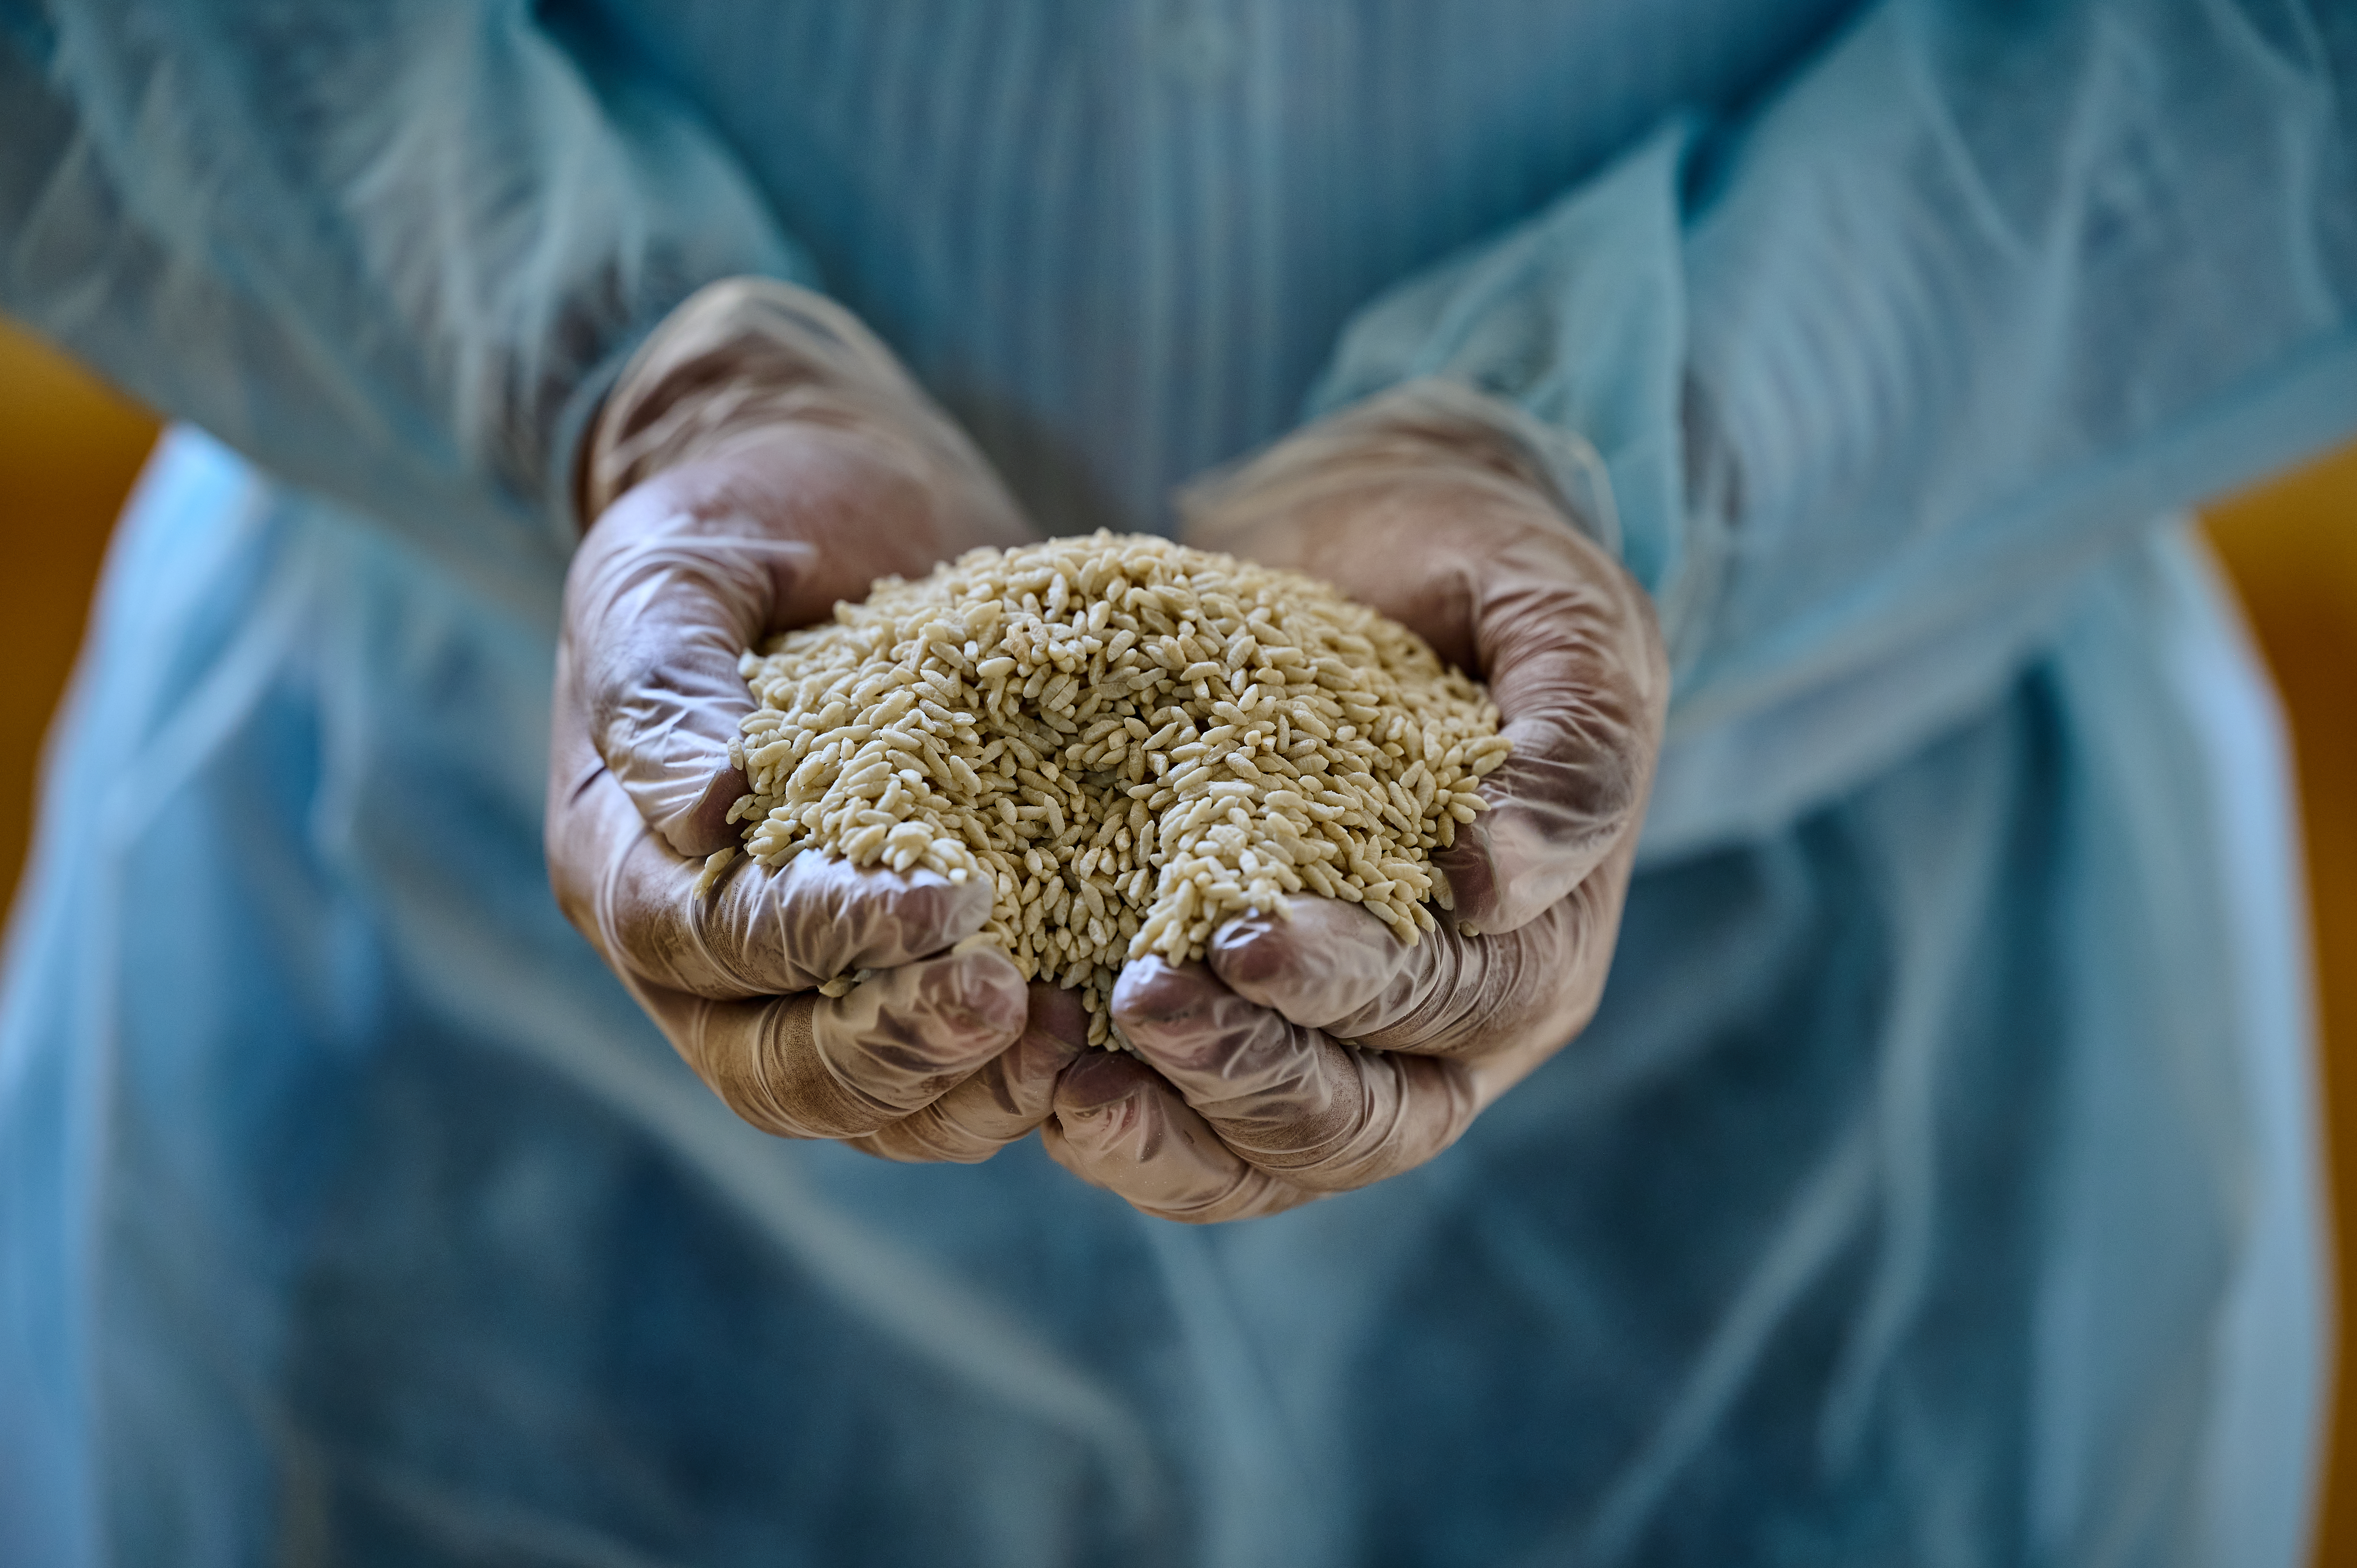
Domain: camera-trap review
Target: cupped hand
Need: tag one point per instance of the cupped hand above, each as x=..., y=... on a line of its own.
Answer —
x=762, y=459
x=1315, y=1052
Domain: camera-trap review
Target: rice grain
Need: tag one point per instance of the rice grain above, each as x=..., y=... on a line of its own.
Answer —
x=1131, y=741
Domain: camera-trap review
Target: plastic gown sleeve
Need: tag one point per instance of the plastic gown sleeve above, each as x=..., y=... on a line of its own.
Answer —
x=391, y=252
x=1974, y=295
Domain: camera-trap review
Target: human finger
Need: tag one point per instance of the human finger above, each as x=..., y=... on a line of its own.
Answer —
x=1331, y=966
x=1004, y=1099
x=1119, y=1126
x=758, y=932
x=755, y=933
x=1288, y=1099
x=811, y=1066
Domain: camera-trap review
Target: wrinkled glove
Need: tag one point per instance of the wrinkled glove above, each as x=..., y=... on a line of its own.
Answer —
x=761, y=457
x=1313, y=1052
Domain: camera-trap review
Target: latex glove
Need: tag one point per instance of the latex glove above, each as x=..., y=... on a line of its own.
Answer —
x=1317, y=1053
x=761, y=457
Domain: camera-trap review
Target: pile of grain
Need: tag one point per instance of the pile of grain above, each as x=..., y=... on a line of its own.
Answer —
x=1133, y=741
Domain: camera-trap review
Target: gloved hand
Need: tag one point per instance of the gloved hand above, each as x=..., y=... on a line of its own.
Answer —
x=1315, y=1052
x=761, y=457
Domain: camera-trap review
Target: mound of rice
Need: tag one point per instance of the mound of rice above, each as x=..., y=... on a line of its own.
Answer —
x=1132, y=740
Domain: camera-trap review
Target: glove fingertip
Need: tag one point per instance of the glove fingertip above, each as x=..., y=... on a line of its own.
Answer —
x=1153, y=1001
x=948, y=913
x=978, y=996
x=1099, y=1079
x=1058, y=1018
x=906, y=915
x=1319, y=962
x=1471, y=874
x=1253, y=955
x=1498, y=887
x=703, y=827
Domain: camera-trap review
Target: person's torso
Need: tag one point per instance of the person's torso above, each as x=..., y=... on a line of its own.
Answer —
x=1119, y=238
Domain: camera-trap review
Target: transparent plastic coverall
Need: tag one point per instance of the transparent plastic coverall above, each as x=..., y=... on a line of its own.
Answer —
x=1935, y=1181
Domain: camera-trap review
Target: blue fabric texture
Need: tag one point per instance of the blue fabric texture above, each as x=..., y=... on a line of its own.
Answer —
x=1938, y=1182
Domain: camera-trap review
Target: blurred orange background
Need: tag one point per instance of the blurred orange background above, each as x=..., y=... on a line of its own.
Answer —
x=70, y=449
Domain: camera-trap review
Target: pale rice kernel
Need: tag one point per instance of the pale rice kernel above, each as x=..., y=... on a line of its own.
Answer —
x=1131, y=741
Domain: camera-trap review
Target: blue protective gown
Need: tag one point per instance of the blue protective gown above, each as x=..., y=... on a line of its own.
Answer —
x=1937, y=1184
